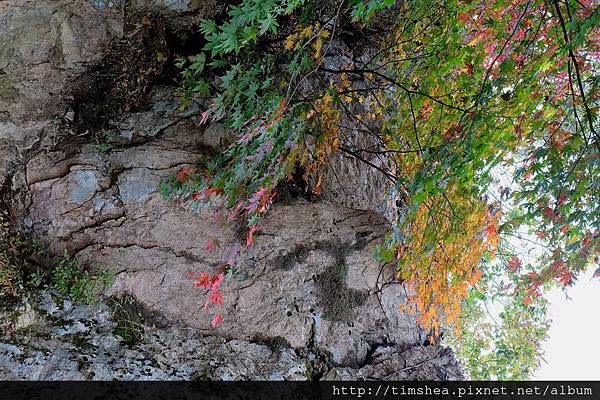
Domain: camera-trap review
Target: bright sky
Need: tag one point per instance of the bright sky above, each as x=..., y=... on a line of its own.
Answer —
x=571, y=351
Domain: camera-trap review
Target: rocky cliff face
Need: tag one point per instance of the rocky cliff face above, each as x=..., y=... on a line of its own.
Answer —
x=87, y=132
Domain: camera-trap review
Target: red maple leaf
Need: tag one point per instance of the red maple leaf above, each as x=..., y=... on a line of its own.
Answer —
x=490, y=230
x=203, y=118
x=216, y=281
x=469, y=69
x=587, y=240
x=565, y=278
x=202, y=280
x=520, y=34
x=197, y=196
x=183, y=174
x=250, y=235
x=260, y=200
x=562, y=198
x=452, y=133
x=557, y=265
x=533, y=275
x=514, y=264
x=210, y=246
x=213, y=190
x=548, y=212
x=233, y=213
x=216, y=296
x=272, y=122
x=463, y=17
x=216, y=320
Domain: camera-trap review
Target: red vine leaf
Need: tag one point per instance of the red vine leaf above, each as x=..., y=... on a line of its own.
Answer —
x=216, y=320
x=184, y=174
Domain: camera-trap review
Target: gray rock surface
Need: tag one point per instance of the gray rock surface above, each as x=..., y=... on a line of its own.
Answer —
x=313, y=279
x=43, y=43
x=350, y=181
x=61, y=341
x=313, y=284
x=202, y=7
x=55, y=340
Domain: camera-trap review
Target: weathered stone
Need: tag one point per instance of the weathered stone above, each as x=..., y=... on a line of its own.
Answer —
x=78, y=342
x=314, y=279
x=206, y=8
x=43, y=44
x=72, y=342
x=416, y=363
x=314, y=282
x=357, y=176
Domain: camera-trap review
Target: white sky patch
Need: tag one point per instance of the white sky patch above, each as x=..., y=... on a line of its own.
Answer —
x=570, y=351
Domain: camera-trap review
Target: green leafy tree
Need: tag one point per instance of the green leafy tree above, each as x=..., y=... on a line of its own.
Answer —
x=487, y=111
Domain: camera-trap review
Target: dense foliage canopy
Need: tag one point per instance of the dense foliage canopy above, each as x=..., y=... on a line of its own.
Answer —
x=485, y=113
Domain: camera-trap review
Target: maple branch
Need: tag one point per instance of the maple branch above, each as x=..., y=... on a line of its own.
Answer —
x=363, y=71
x=335, y=18
x=384, y=50
x=506, y=42
x=577, y=71
x=387, y=151
x=388, y=175
x=414, y=122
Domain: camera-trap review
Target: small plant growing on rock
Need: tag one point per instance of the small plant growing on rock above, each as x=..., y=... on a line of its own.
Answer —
x=129, y=317
x=10, y=277
x=71, y=278
x=20, y=270
x=103, y=141
x=15, y=273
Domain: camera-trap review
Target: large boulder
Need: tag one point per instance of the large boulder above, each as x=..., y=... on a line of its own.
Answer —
x=313, y=279
x=312, y=283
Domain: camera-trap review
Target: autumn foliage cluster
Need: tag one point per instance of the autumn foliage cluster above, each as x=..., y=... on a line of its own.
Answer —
x=485, y=113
